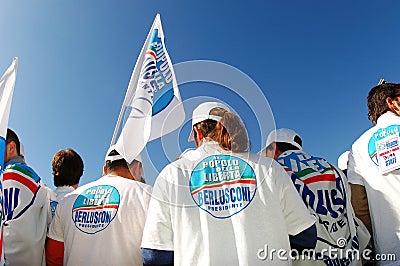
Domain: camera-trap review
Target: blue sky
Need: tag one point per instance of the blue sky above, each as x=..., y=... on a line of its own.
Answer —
x=315, y=62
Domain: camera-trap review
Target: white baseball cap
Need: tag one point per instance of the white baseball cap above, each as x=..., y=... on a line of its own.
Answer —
x=118, y=156
x=343, y=160
x=21, y=149
x=283, y=135
x=202, y=112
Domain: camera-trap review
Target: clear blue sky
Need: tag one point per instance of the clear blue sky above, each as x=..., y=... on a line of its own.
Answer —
x=315, y=62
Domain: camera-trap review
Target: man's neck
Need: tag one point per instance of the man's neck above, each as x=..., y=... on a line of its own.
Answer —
x=17, y=159
x=122, y=172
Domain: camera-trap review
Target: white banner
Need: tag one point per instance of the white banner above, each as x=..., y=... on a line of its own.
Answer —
x=152, y=105
x=7, y=82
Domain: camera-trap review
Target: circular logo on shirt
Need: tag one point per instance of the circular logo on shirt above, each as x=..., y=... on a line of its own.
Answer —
x=383, y=142
x=95, y=208
x=223, y=185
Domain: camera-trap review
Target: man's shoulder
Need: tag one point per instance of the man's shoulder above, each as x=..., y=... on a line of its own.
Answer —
x=111, y=181
x=365, y=136
x=304, y=162
x=295, y=155
x=21, y=170
x=385, y=121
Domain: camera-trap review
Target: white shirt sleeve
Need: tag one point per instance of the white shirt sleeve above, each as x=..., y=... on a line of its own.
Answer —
x=158, y=233
x=353, y=175
x=297, y=216
x=56, y=229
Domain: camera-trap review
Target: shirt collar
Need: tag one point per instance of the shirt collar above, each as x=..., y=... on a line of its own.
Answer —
x=17, y=159
x=65, y=189
x=387, y=118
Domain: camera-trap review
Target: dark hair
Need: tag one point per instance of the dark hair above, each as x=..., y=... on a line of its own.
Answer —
x=230, y=133
x=376, y=100
x=208, y=125
x=284, y=146
x=12, y=136
x=113, y=165
x=67, y=168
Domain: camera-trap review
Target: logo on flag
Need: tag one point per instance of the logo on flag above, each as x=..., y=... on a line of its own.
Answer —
x=152, y=106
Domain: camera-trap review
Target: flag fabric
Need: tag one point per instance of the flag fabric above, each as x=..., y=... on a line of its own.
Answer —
x=7, y=83
x=152, y=106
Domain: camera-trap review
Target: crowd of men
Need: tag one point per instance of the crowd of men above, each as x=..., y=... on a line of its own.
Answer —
x=217, y=204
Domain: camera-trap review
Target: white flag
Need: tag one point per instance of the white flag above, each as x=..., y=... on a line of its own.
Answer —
x=152, y=101
x=7, y=83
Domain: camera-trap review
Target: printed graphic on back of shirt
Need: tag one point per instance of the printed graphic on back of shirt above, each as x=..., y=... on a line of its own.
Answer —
x=95, y=208
x=223, y=185
x=384, y=148
x=20, y=187
x=323, y=191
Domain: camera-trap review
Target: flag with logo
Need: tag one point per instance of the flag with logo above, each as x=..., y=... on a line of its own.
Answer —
x=152, y=106
x=7, y=83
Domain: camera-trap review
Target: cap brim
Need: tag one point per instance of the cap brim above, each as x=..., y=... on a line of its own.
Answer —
x=191, y=136
x=262, y=151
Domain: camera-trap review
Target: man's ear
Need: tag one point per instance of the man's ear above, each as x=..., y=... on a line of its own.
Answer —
x=135, y=170
x=277, y=152
x=199, y=134
x=12, y=148
x=392, y=106
x=104, y=170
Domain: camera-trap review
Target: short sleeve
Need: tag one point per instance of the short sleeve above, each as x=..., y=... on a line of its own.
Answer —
x=297, y=216
x=353, y=175
x=158, y=233
x=56, y=229
x=51, y=203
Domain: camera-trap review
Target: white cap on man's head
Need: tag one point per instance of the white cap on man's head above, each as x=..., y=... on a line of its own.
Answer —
x=202, y=112
x=343, y=160
x=283, y=135
x=21, y=150
x=118, y=156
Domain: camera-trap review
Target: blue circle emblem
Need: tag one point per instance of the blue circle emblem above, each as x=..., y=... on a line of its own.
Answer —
x=95, y=208
x=223, y=185
x=380, y=134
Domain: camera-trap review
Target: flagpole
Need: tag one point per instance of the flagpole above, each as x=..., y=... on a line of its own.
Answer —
x=118, y=122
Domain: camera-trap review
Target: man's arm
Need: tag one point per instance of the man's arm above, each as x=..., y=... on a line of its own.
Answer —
x=300, y=223
x=54, y=252
x=359, y=201
x=157, y=242
x=306, y=239
x=154, y=257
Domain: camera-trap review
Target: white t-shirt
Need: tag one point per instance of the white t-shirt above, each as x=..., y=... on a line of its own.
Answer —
x=62, y=191
x=27, y=215
x=326, y=192
x=101, y=223
x=212, y=207
x=383, y=190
